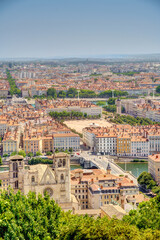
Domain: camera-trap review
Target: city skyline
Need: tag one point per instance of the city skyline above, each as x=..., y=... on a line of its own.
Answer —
x=55, y=29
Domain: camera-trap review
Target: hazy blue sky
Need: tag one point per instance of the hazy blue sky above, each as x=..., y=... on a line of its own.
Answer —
x=49, y=28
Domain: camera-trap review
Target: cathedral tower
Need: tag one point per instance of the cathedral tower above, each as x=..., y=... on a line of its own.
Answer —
x=16, y=164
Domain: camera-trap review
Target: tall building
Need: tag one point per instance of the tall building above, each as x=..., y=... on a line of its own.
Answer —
x=154, y=167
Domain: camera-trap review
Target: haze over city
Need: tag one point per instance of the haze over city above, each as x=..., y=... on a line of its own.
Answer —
x=86, y=28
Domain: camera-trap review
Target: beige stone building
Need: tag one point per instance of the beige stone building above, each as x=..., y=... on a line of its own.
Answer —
x=42, y=178
x=95, y=188
x=154, y=167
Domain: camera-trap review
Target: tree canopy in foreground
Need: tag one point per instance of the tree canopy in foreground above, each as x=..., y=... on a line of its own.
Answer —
x=36, y=218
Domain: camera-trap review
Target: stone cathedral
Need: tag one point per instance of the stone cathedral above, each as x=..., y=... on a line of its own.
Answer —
x=42, y=178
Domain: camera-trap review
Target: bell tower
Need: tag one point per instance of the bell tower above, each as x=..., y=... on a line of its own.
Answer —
x=61, y=165
x=16, y=164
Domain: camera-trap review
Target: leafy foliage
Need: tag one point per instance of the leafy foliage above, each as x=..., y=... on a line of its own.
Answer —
x=158, y=89
x=39, y=218
x=22, y=153
x=131, y=73
x=146, y=180
x=70, y=115
x=13, y=87
x=111, y=101
x=108, y=93
x=38, y=160
x=123, y=119
x=110, y=108
x=38, y=153
x=52, y=92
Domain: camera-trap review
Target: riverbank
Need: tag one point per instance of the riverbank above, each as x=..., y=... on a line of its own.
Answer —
x=129, y=159
x=136, y=168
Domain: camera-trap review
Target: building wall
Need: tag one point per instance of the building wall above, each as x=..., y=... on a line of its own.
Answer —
x=154, y=169
x=139, y=148
x=107, y=145
x=123, y=146
x=66, y=143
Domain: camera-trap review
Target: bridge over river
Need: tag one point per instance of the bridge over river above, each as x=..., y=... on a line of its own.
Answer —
x=89, y=160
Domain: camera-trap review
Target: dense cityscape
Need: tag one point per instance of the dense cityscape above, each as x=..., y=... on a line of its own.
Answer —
x=79, y=120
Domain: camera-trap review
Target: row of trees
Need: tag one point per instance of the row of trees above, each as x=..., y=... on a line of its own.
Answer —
x=123, y=119
x=36, y=217
x=13, y=87
x=83, y=93
x=130, y=73
x=71, y=115
x=38, y=160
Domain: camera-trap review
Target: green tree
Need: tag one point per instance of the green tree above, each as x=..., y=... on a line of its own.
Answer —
x=72, y=92
x=52, y=92
x=38, y=153
x=110, y=108
x=22, y=153
x=5, y=155
x=62, y=94
x=14, y=153
x=111, y=101
x=48, y=153
x=1, y=160
x=144, y=179
x=30, y=154
x=158, y=89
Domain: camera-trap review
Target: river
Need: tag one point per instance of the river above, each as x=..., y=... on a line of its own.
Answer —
x=135, y=167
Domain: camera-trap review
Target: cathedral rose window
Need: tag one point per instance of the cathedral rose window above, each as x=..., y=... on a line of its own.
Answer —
x=49, y=191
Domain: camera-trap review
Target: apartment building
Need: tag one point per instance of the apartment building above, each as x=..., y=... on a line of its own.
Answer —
x=32, y=144
x=66, y=141
x=4, y=177
x=106, y=143
x=47, y=143
x=96, y=188
x=143, y=108
x=154, y=142
x=89, y=139
x=154, y=167
x=11, y=142
x=139, y=146
x=123, y=145
x=3, y=127
x=123, y=140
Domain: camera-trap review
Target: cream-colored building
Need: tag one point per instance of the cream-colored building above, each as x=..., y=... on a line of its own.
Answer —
x=154, y=167
x=11, y=142
x=95, y=188
x=32, y=144
x=42, y=178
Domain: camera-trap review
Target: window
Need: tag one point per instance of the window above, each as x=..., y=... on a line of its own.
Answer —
x=62, y=177
x=16, y=184
x=32, y=179
x=64, y=162
x=15, y=166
